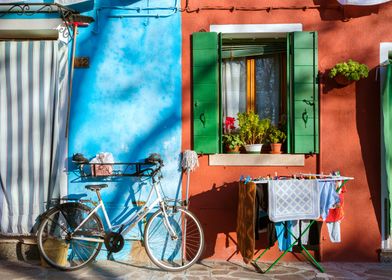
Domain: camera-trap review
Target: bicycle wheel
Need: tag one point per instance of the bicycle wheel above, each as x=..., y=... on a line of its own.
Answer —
x=63, y=248
x=174, y=253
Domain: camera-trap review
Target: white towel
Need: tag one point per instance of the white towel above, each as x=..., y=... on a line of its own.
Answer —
x=293, y=200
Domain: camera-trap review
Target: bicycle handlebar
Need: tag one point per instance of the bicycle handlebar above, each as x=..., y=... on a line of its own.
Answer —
x=157, y=161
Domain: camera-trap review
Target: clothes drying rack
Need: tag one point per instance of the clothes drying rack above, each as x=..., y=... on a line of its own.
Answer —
x=297, y=239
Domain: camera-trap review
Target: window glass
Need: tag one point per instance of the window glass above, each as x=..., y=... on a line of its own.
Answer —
x=267, y=90
x=252, y=84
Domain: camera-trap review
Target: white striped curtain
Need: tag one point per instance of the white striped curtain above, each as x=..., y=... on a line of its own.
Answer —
x=33, y=108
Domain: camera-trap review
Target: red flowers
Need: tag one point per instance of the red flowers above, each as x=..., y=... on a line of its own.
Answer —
x=229, y=123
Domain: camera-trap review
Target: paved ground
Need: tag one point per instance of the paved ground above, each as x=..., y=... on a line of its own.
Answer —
x=205, y=270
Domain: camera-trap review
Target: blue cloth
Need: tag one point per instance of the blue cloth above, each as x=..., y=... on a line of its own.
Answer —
x=328, y=197
x=284, y=237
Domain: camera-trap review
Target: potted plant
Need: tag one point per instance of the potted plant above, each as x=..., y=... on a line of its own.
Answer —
x=231, y=139
x=347, y=72
x=275, y=137
x=252, y=131
x=232, y=143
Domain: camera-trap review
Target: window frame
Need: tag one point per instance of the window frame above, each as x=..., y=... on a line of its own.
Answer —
x=290, y=80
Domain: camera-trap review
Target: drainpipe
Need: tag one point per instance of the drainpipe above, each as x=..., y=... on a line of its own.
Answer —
x=75, y=26
x=75, y=31
x=319, y=158
x=319, y=167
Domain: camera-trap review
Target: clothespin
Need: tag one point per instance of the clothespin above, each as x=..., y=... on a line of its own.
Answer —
x=246, y=179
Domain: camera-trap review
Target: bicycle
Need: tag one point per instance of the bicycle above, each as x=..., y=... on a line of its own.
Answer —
x=173, y=236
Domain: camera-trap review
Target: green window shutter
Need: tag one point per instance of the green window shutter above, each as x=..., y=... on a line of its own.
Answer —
x=205, y=74
x=386, y=140
x=303, y=105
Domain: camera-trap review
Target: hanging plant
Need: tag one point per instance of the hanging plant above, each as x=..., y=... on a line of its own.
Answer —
x=347, y=72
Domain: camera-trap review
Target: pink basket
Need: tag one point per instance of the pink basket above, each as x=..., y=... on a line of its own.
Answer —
x=101, y=169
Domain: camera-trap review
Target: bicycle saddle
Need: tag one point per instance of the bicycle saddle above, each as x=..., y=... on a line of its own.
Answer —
x=96, y=187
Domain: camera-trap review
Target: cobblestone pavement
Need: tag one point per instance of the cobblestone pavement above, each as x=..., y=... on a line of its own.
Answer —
x=204, y=270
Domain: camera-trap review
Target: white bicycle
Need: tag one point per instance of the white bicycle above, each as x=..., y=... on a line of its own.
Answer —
x=71, y=234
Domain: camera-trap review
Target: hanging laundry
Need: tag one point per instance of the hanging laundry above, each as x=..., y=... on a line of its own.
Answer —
x=285, y=239
x=262, y=222
x=245, y=220
x=334, y=232
x=310, y=236
x=328, y=197
x=335, y=215
x=299, y=227
x=293, y=200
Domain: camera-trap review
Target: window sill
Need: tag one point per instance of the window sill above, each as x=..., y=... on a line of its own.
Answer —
x=257, y=160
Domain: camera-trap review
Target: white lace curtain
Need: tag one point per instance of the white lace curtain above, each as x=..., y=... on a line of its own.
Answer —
x=233, y=87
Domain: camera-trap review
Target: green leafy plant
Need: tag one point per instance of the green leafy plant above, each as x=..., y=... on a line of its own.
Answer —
x=252, y=130
x=350, y=69
x=232, y=140
x=275, y=135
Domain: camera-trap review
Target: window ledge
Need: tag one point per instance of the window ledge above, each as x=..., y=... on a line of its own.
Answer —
x=257, y=160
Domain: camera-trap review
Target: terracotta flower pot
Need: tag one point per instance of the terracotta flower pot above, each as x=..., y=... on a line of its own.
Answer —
x=235, y=150
x=276, y=148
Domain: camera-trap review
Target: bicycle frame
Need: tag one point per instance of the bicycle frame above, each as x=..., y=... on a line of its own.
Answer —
x=133, y=219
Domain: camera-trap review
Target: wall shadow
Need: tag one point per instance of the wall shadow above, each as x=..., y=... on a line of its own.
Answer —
x=216, y=209
x=367, y=94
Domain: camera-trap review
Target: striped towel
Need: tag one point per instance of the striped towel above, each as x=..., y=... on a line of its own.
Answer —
x=293, y=200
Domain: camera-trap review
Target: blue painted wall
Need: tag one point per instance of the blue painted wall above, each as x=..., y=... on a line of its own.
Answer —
x=128, y=102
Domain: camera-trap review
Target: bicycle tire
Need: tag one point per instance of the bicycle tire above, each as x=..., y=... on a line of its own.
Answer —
x=55, y=245
x=170, y=254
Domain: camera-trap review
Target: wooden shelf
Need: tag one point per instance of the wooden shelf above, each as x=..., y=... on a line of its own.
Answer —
x=257, y=160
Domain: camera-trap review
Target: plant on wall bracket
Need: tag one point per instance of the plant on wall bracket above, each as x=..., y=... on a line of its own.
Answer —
x=349, y=71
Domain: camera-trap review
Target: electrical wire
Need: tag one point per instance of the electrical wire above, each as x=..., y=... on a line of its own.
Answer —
x=253, y=9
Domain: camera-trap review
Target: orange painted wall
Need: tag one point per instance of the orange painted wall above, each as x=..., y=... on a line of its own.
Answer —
x=350, y=123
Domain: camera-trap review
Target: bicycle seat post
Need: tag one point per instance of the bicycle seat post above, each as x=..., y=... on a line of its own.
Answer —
x=98, y=195
x=96, y=189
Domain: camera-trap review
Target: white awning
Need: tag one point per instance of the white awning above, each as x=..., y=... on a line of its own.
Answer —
x=79, y=5
x=362, y=2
